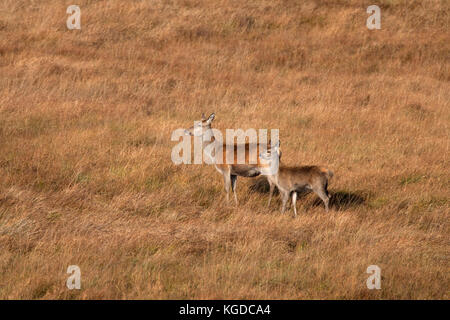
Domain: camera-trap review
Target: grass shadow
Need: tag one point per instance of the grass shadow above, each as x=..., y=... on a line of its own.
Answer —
x=261, y=185
x=342, y=200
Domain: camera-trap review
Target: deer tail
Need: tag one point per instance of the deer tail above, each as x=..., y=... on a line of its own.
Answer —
x=327, y=172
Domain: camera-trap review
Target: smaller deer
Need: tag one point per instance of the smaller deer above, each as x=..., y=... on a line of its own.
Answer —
x=291, y=180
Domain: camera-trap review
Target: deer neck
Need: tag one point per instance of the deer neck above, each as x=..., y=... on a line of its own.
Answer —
x=208, y=138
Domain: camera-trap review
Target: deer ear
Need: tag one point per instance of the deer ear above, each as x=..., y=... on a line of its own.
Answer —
x=211, y=118
x=276, y=146
x=203, y=116
x=265, y=156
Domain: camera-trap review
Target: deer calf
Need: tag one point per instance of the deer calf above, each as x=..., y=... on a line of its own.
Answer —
x=291, y=180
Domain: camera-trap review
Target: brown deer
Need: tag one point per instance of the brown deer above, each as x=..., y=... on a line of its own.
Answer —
x=291, y=180
x=229, y=170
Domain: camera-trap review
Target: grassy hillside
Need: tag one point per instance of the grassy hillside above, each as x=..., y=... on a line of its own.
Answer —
x=86, y=176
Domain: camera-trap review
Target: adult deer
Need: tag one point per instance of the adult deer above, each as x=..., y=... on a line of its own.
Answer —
x=221, y=160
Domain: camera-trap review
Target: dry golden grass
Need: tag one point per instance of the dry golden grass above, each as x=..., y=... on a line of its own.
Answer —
x=85, y=170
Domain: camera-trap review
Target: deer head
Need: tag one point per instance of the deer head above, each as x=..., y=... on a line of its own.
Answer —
x=271, y=160
x=200, y=127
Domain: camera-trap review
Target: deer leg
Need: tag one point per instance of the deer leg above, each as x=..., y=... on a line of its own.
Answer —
x=325, y=188
x=227, y=182
x=323, y=194
x=288, y=203
x=285, y=200
x=233, y=187
x=294, y=202
x=272, y=187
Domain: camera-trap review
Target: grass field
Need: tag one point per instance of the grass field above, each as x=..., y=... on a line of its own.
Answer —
x=86, y=176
